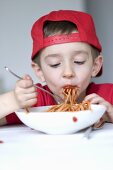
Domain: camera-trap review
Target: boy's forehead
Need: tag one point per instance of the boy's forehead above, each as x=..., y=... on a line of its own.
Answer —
x=72, y=48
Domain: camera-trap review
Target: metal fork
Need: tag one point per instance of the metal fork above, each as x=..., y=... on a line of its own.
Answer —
x=57, y=98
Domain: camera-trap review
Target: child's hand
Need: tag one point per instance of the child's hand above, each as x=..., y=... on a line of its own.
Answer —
x=25, y=92
x=96, y=99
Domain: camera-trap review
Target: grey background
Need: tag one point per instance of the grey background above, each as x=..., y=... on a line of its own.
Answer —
x=16, y=19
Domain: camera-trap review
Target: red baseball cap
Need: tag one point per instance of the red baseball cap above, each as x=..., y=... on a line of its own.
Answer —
x=83, y=21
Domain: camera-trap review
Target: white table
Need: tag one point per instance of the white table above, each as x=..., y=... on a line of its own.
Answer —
x=24, y=149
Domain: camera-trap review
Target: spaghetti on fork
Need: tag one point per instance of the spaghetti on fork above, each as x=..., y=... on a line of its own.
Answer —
x=71, y=94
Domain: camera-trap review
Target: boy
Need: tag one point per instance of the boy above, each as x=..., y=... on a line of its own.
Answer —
x=66, y=51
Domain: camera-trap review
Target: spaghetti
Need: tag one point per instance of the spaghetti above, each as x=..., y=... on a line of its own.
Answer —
x=71, y=94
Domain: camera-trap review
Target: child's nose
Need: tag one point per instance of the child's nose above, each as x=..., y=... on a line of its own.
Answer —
x=68, y=73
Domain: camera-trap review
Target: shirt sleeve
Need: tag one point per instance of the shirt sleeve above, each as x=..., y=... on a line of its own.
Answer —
x=13, y=119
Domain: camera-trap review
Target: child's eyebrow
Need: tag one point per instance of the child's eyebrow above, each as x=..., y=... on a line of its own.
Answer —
x=74, y=53
x=52, y=55
x=80, y=52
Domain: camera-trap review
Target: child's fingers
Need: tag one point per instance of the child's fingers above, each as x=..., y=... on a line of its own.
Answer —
x=29, y=103
x=22, y=94
x=27, y=99
x=94, y=98
x=90, y=96
x=24, y=83
x=29, y=96
x=27, y=77
x=25, y=92
x=29, y=90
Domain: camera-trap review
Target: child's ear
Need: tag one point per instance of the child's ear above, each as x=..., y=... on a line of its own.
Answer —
x=98, y=62
x=38, y=71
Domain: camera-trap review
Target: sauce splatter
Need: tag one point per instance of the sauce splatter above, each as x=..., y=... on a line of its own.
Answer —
x=1, y=141
x=74, y=119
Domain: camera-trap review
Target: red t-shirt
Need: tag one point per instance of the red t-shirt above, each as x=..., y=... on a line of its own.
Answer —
x=44, y=99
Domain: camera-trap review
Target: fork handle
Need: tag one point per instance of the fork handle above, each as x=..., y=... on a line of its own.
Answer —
x=38, y=87
x=88, y=132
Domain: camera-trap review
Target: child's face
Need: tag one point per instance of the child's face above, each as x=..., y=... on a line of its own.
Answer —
x=68, y=64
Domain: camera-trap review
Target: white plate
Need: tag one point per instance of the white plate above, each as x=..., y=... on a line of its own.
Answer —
x=60, y=122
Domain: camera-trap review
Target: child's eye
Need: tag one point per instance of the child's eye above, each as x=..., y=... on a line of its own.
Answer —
x=79, y=62
x=54, y=65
